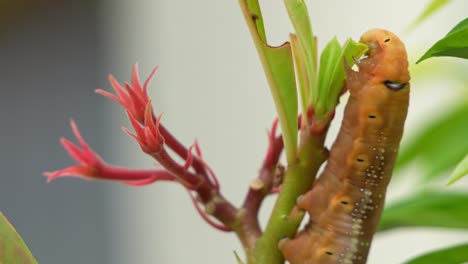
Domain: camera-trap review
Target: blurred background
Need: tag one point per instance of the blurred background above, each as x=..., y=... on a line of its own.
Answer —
x=210, y=86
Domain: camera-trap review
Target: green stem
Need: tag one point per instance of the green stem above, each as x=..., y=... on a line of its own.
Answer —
x=298, y=179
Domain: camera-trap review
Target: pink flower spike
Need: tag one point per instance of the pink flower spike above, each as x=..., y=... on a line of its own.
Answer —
x=134, y=97
x=145, y=86
x=90, y=162
x=189, y=160
x=148, y=137
x=91, y=166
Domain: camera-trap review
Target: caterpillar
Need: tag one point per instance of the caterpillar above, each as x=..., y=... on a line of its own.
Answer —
x=347, y=199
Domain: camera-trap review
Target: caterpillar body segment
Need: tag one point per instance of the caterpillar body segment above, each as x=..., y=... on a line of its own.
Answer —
x=347, y=199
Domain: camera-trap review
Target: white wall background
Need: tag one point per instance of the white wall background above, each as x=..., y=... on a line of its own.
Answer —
x=211, y=87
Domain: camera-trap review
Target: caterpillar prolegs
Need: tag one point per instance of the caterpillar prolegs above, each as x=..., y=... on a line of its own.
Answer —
x=346, y=201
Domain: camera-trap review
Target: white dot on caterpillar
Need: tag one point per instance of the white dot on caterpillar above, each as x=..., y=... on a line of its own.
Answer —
x=382, y=157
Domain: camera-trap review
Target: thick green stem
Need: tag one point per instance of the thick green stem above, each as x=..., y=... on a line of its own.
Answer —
x=298, y=179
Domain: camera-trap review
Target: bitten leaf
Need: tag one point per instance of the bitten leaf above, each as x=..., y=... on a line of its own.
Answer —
x=279, y=69
x=332, y=73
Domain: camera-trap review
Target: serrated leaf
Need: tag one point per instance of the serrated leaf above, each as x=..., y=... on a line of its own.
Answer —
x=13, y=250
x=306, y=47
x=451, y=255
x=427, y=209
x=439, y=145
x=279, y=69
x=454, y=44
x=332, y=72
x=460, y=171
x=433, y=7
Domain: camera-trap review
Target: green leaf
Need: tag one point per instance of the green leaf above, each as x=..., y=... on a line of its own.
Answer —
x=12, y=248
x=451, y=255
x=301, y=74
x=440, y=145
x=431, y=9
x=460, y=171
x=332, y=73
x=306, y=49
x=454, y=44
x=279, y=69
x=428, y=209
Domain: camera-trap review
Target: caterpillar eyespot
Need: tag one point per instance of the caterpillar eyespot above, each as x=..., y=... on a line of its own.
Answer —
x=347, y=199
x=395, y=86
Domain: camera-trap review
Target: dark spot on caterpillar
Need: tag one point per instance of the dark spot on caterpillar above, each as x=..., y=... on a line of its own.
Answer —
x=395, y=86
x=372, y=116
x=254, y=16
x=360, y=160
x=344, y=202
x=329, y=253
x=387, y=40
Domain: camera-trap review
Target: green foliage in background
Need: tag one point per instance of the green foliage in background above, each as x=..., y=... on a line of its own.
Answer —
x=452, y=255
x=437, y=147
x=445, y=209
x=453, y=44
x=13, y=250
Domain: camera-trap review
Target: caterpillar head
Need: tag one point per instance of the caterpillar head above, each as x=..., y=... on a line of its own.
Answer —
x=386, y=60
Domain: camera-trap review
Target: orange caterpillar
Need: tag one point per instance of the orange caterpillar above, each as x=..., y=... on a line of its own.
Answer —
x=346, y=201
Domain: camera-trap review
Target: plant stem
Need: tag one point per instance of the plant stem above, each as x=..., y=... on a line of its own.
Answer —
x=298, y=179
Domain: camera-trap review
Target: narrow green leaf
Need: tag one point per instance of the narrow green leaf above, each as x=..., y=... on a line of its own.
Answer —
x=279, y=69
x=454, y=44
x=301, y=74
x=299, y=16
x=428, y=209
x=451, y=255
x=12, y=248
x=330, y=68
x=440, y=145
x=332, y=73
x=460, y=171
x=433, y=7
